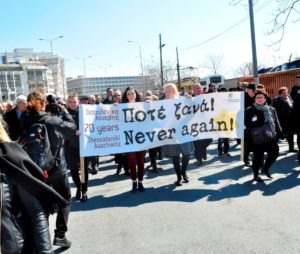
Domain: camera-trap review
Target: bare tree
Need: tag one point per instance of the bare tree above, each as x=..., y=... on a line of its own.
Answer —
x=152, y=71
x=245, y=69
x=213, y=63
x=285, y=10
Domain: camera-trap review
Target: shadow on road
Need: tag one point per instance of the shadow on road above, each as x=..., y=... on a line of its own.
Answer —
x=127, y=199
x=285, y=179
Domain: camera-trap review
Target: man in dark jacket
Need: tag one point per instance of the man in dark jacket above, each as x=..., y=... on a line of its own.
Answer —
x=109, y=98
x=296, y=88
x=200, y=146
x=249, y=100
x=72, y=152
x=295, y=113
x=12, y=118
x=59, y=129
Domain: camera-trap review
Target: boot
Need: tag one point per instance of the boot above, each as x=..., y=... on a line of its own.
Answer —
x=78, y=193
x=266, y=172
x=119, y=169
x=62, y=242
x=134, y=187
x=178, y=182
x=256, y=177
x=84, y=197
x=185, y=177
x=154, y=167
x=141, y=187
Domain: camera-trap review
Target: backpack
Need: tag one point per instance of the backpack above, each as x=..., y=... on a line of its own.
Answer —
x=37, y=146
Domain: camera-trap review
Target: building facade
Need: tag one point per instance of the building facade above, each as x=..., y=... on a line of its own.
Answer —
x=98, y=85
x=24, y=71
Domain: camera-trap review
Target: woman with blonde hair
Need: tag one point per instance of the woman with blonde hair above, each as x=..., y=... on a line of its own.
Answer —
x=25, y=203
x=174, y=151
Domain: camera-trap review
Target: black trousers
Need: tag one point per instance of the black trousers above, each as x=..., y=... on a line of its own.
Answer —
x=200, y=148
x=223, y=146
x=73, y=163
x=272, y=150
x=180, y=170
x=60, y=182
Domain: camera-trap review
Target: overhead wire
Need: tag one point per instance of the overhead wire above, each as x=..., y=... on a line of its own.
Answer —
x=262, y=6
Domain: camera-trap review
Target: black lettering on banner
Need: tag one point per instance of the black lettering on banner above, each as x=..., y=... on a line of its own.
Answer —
x=151, y=113
x=140, y=116
x=89, y=127
x=203, y=127
x=204, y=106
x=186, y=110
x=177, y=107
x=185, y=130
x=140, y=137
x=160, y=113
x=128, y=114
x=194, y=131
x=212, y=101
x=220, y=123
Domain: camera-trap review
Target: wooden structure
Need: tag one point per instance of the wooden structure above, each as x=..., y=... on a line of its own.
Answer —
x=274, y=80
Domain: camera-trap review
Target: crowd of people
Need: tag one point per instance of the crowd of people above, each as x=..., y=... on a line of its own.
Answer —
x=31, y=193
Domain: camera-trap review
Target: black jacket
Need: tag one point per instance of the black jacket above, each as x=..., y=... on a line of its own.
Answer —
x=13, y=124
x=295, y=113
x=74, y=140
x=283, y=110
x=59, y=129
x=24, y=199
x=294, y=91
x=255, y=118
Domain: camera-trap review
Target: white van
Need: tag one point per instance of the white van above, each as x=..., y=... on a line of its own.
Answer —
x=217, y=80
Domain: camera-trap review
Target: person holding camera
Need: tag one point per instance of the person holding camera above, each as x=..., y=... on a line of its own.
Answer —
x=25, y=201
x=60, y=126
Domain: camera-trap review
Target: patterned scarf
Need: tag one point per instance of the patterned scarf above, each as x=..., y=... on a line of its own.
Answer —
x=268, y=115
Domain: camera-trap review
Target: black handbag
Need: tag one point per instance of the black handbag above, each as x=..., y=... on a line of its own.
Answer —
x=262, y=135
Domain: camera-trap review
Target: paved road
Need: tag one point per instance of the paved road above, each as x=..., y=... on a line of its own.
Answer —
x=220, y=211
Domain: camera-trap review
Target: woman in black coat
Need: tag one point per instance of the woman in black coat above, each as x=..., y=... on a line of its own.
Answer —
x=256, y=116
x=25, y=201
x=283, y=105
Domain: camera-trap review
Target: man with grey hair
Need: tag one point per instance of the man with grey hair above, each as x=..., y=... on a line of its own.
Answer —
x=13, y=118
x=200, y=145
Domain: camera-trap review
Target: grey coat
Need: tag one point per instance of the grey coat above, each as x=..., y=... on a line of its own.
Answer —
x=175, y=150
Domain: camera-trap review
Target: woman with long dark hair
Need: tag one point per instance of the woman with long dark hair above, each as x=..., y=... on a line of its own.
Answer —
x=135, y=159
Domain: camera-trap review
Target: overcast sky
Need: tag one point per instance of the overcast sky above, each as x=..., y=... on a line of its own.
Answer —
x=102, y=28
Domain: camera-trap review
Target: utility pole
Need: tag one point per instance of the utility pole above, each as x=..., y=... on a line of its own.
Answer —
x=178, y=69
x=161, y=64
x=253, y=43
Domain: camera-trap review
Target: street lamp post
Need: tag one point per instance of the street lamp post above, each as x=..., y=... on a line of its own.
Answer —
x=51, y=41
x=83, y=62
x=253, y=43
x=161, y=63
x=105, y=68
x=141, y=59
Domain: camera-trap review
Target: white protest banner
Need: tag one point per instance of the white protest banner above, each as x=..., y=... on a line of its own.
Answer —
x=127, y=127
